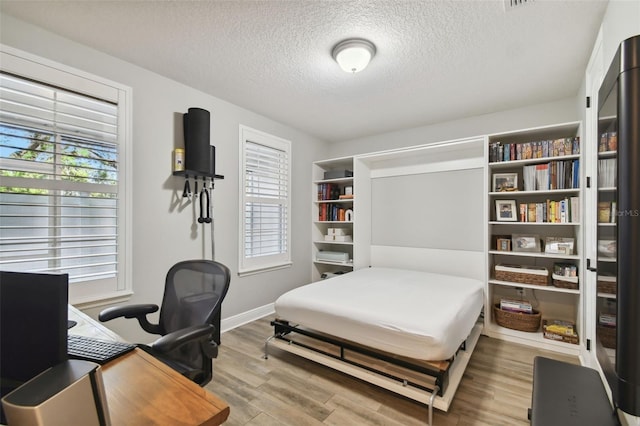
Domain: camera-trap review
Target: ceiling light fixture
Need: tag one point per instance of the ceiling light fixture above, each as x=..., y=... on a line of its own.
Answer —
x=353, y=55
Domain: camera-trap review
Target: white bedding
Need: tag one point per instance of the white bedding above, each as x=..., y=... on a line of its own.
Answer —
x=410, y=313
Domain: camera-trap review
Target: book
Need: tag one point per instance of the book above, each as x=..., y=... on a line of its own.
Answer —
x=604, y=212
x=559, y=327
x=516, y=306
x=542, y=177
x=575, y=209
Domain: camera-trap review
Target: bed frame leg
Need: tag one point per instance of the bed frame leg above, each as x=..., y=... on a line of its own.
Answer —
x=431, y=399
x=266, y=347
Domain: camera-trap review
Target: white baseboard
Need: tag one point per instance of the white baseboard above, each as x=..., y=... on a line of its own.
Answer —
x=230, y=323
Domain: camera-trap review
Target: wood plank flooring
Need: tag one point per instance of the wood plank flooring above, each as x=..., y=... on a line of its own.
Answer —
x=289, y=390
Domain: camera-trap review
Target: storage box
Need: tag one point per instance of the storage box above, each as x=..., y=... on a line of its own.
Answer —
x=522, y=274
x=338, y=173
x=332, y=256
x=336, y=231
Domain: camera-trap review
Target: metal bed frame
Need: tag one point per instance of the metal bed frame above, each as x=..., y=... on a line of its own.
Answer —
x=425, y=382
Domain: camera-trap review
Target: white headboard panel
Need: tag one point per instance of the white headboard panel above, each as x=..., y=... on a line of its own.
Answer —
x=462, y=263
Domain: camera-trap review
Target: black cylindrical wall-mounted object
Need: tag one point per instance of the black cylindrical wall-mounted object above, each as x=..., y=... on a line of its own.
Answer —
x=199, y=154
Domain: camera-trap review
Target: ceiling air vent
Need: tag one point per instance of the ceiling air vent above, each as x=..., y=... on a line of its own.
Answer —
x=515, y=4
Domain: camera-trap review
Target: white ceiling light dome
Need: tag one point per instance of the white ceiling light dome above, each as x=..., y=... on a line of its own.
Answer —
x=353, y=55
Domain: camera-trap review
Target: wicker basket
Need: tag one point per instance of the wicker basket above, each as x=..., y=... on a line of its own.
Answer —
x=517, y=320
x=607, y=285
x=522, y=274
x=565, y=282
x=607, y=336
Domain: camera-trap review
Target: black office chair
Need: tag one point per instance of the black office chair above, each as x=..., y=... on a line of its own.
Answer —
x=193, y=294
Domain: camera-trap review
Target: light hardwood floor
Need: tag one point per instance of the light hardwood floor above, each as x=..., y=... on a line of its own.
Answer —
x=289, y=390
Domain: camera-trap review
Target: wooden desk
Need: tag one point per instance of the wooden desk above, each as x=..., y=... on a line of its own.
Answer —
x=143, y=391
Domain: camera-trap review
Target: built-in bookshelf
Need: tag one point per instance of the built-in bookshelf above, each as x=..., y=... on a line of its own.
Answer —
x=333, y=216
x=535, y=232
x=606, y=290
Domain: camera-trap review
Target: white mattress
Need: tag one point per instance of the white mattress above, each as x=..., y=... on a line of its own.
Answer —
x=410, y=313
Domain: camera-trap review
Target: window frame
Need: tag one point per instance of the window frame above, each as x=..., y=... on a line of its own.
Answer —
x=97, y=292
x=247, y=266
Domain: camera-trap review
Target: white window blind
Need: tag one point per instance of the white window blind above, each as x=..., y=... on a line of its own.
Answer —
x=265, y=202
x=59, y=180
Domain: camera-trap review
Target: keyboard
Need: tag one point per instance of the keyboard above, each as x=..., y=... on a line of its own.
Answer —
x=96, y=350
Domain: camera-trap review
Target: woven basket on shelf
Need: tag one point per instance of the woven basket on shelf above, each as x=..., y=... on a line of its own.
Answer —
x=565, y=282
x=521, y=276
x=607, y=336
x=607, y=286
x=517, y=320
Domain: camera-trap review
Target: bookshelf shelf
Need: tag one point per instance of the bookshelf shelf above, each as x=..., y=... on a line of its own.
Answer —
x=539, y=223
x=327, y=207
x=541, y=160
x=556, y=207
x=529, y=193
x=534, y=287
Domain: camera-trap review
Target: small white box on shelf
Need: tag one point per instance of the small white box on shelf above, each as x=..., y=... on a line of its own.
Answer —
x=336, y=231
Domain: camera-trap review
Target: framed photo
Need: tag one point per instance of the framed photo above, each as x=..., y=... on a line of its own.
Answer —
x=506, y=211
x=504, y=182
x=503, y=244
x=558, y=245
x=520, y=242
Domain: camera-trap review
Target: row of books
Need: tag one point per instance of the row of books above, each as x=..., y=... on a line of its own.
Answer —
x=499, y=152
x=334, y=212
x=608, y=142
x=329, y=191
x=563, y=211
x=607, y=212
x=607, y=171
x=553, y=175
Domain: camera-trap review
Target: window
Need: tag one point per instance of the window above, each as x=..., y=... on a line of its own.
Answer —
x=62, y=191
x=265, y=201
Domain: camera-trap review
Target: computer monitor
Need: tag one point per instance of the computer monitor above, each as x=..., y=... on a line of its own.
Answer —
x=33, y=325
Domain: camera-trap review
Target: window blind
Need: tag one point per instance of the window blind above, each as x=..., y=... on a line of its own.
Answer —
x=58, y=181
x=266, y=200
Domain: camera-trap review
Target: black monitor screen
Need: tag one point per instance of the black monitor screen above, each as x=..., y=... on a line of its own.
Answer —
x=33, y=325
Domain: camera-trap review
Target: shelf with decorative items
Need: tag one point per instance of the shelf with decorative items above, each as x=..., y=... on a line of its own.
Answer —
x=535, y=236
x=333, y=216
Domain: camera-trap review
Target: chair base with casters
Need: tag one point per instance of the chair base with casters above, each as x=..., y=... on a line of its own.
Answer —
x=193, y=295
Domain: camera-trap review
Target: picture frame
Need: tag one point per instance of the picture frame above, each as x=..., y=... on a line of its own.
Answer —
x=504, y=182
x=559, y=245
x=503, y=244
x=506, y=211
x=525, y=243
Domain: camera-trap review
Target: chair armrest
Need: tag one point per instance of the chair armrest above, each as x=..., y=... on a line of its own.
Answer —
x=178, y=338
x=139, y=311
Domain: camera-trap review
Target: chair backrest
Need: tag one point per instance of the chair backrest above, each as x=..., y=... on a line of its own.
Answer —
x=193, y=295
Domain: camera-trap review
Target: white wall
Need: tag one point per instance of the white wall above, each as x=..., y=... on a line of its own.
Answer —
x=560, y=111
x=162, y=234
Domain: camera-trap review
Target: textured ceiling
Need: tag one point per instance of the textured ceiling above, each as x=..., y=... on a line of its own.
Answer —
x=435, y=61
